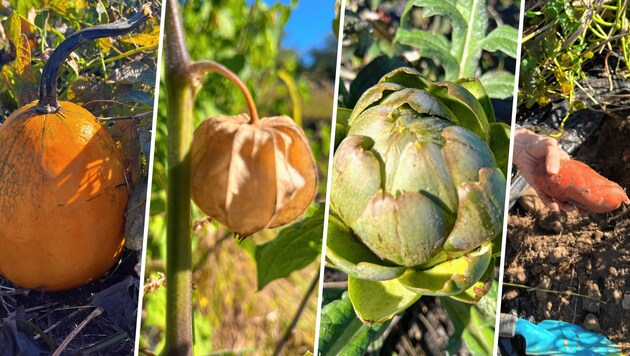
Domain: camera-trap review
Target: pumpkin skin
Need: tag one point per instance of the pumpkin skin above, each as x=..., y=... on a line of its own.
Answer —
x=63, y=196
x=252, y=176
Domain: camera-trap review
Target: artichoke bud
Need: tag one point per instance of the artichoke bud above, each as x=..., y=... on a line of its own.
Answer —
x=251, y=176
x=415, y=178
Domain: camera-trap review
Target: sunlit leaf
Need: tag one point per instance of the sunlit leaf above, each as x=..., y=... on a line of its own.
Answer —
x=15, y=28
x=294, y=248
x=498, y=84
x=143, y=39
x=135, y=72
x=379, y=301
x=342, y=333
x=105, y=44
x=23, y=58
x=432, y=46
x=474, y=324
x=68, y=8
x=503, y=38
x=460, y=53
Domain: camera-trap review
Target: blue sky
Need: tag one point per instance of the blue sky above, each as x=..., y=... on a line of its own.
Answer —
x=309, y=24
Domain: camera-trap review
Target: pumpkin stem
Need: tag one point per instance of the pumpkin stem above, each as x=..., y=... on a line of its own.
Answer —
x=201, y=68
x=48, y=83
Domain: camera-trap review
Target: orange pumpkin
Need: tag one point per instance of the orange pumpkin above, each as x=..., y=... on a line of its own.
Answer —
x=63, y=196
x=63, y=191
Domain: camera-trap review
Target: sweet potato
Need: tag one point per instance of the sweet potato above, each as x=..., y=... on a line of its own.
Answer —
x=577, y=183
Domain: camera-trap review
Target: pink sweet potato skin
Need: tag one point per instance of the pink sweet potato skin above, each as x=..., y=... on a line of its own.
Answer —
x=579, y=184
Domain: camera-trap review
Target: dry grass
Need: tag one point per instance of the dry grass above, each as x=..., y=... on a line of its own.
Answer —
x=245, y=319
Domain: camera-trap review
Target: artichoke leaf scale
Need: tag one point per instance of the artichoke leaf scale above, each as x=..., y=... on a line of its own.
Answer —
x=404, y=230
x=422, y=169
x=354, y=188
x=420, y=101
x=371, y=97
x=480, y=214
x=465, y=154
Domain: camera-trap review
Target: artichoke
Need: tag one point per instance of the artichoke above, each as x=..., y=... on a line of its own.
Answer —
x=417, y=195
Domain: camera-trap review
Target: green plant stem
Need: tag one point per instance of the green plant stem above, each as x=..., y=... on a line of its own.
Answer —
x=182, y=79
x=181, y=95
x=516, y=285
x=178, y=233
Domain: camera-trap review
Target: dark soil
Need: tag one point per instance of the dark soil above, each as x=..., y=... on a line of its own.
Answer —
x=588, y=255
x=39, y=322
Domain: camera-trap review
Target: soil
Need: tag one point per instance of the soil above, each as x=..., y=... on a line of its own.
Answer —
x=587, y=255
x=40, y=322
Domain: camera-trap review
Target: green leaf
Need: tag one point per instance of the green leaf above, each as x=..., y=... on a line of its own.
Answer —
x=15, y=28
x=24, y=6
x=459, y=54
x=500, y=144
x=342, y=333
x=474, y=324
x=474, y=86
x=478, y=290
x=431, y=46
x=377, y=302
x=476, y=16
x=294, y=248
x=446, y=9
x=504, y=39
x=499, y=84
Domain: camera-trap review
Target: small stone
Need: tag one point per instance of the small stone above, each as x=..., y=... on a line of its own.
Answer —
x=551, y=222
x=613, y=271
x=597, y=236
x=558, y=254
x=588, y=265
x=591, y=323
x=617, y=296
x=545, y=283
x=626, y=302
x=531, y=202
x=520, y=276
x=592, y=290
x=585, y=240
x=510, y=295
